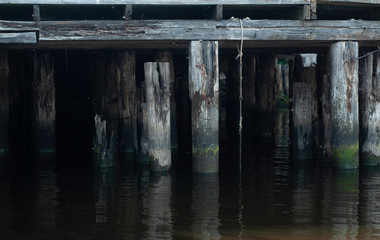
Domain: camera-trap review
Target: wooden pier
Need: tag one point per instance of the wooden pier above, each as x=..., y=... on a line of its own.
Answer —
x=142, y=111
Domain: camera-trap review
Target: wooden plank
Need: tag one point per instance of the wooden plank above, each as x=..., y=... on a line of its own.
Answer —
x=158, y=2
x=184, y=30
x=17, y=26
x=367, y=2
x=25, y=37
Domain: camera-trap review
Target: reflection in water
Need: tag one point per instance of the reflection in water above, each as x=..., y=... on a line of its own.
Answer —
x=303, y=197
x=345, y=201
x=158, y=207
x=5, y=201
x=47, y=193
x=275, y=197
x=104, y=186
x=205, y=206
x=370, y=203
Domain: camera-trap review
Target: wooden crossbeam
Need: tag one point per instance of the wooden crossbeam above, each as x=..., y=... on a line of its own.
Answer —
x=19, y=38
x=159, y=2
x=186, y=30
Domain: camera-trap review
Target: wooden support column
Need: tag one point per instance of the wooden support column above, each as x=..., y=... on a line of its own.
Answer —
x=265, y=94
x=4, y=102
x=370, y=109
x=166, y=56
x=323, y=75
x=128, y=102
x=344, y=98
x=302, y=122
x=305, y=72
x=44, y=104
x=285, y=76
x=106, y=110
x=157, y=115
x=204, y=96
x=279, y=86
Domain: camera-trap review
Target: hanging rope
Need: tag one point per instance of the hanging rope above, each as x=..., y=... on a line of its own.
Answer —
x=240, y=57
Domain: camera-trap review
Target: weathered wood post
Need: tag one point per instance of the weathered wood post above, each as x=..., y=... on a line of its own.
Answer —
x=344, y=98
x=204, y=95
x=302, y=122
x=370, y=109
x=106, y=110
x=44, y=104
x=265, y=94
x=4, y=102
x=128, y=102
x=166, y=56
x=157, y=116
x=323, y=74
x=285, y=75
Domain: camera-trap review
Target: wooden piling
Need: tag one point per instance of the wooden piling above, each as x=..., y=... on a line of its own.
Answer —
x=305, y=71
x=265, y=94
x=44, y=104
x=157, y=115
x=4, y=102
x=128, y=102
x=370, y=109
x=106, y=107
x=279, y=86
x=344, y=104
x=302, y=121
x=323, y=74
x=166, y=56
x=285, y=75
x=204, y=95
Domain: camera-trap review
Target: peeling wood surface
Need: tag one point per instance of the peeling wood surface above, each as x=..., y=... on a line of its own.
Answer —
x=158, y=2
x=344, y=97
x=204, y=95
x=157, y=115
x=166, y=56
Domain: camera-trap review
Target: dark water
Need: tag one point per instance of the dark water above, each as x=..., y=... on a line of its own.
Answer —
x=273, y=197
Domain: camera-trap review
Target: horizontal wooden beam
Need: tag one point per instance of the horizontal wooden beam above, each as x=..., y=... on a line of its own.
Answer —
x=350, y=2
x=18, y=38
x=226, y=30
x=158, y=2
x=17, y=26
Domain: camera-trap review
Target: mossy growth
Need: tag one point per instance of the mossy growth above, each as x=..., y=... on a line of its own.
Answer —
x=346, y=156
x=211, y=151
